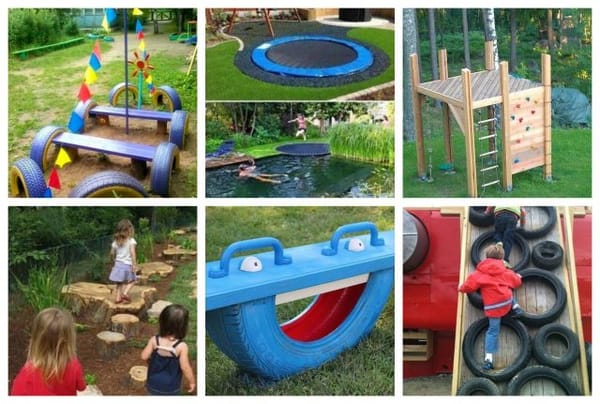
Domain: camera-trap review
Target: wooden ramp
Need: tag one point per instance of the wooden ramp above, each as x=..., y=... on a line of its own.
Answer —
x=535, y=297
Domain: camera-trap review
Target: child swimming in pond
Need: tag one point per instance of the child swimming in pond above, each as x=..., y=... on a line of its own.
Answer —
x=249, y=170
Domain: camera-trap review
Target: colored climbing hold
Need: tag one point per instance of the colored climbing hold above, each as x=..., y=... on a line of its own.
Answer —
x=516, y=161
x=527, y=128
x=518, y=141
x=518, y=105
x=532, y=111
x=527, y=98
x=513, y=117
x=520, y=120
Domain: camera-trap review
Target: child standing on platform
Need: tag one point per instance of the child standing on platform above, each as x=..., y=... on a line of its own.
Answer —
x=123, y=256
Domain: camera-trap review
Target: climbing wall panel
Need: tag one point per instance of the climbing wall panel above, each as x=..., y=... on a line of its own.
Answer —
x=526, y=110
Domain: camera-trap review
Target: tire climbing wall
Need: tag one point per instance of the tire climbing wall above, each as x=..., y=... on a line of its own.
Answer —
x=526, y=125
x=540, y=353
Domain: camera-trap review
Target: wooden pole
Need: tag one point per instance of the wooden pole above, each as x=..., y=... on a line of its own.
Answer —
x=469, y=133
x=506, y=144
x=417, y=113
x=443, y=61
x=489, y=56
x=546, y=82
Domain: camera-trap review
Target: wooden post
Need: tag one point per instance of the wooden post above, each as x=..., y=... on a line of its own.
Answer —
x=447, y=128
x=417, y=113
x=506, y=144
x=546, y=82
x=469, y=133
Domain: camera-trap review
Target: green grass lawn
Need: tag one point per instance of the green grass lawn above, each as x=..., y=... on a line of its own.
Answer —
x=571, y=170
x=224, y=81
x=367, y=369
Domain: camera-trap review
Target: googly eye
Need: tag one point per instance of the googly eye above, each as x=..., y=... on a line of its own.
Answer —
x=356, y=245
x=251, y=264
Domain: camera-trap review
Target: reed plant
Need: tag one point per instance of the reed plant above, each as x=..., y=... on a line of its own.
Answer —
x=360, y=141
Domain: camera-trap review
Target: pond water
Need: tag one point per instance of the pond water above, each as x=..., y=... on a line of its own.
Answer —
x=304, y=177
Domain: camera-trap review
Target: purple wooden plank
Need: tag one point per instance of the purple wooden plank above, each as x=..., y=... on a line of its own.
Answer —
x=133, y=113
x=107, y=146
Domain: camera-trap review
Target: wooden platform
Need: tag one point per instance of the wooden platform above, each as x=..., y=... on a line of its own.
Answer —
x=533, y=296
x=485, y=85
x=226, y=160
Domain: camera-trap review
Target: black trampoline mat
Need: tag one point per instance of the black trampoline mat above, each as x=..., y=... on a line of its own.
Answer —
x=311, y=54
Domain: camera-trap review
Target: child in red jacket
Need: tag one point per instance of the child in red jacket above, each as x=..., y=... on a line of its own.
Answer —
x=496, y=284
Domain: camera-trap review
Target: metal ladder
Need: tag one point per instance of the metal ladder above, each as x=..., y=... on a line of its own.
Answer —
x=489, y=160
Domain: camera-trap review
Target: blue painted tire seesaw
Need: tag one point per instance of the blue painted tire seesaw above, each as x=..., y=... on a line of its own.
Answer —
x=248, y=331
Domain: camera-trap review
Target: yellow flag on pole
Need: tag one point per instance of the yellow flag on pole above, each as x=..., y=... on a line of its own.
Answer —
x=62, y=158
x=90, y=76
x=137, y=11
x=105, y=24
x=142, y=46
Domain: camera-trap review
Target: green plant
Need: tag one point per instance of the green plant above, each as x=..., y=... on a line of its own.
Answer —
x=363, y=142
x=90, y=379
x=81, y=327
x=188, y=244
x=43, y=288
x=145, y=241
x=153, y=320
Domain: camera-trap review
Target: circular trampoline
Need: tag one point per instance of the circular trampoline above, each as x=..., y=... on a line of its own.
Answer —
x=304, y=149
x=312, y=56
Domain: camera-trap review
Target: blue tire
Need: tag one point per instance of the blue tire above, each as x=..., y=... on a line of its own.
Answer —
x=251, y=336
x=43, y=151
x=179, y=124
x=167, y=96
x=116, y=96
x=26, y=179
x=83, y=110
x=164, y=162
x=109, y=184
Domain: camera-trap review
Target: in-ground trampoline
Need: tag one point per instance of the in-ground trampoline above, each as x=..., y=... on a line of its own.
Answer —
x=312, y=56
x=304, y=149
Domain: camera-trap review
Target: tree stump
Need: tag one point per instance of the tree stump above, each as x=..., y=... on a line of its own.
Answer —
x=110, y=344
x=137, y=375
x=126, y=324
x=157, y=308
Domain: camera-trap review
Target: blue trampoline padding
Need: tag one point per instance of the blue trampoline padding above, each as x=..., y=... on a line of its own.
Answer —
x=303, y=267
x=363, y=60
x=304, y=149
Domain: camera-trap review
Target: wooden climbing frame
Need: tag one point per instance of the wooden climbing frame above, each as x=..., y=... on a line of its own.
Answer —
x=525, y=116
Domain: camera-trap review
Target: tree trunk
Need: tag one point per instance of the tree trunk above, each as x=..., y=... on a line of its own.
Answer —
x=465, y=24
x=409, y=41
x=512, y=62
x=550, y=30
x=489, y=22
x=432, y=44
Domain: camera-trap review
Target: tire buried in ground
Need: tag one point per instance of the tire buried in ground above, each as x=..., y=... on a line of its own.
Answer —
x=488, y=238
x=541, y=372
x=474, y=365
x=109, y=184
x=26, y=179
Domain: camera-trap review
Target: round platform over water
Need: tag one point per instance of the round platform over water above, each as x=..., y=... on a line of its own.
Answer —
x=312, y=56
x=304, y=149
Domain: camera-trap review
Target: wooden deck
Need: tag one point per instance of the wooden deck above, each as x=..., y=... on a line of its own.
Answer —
x=484, y=84
x=533, y=296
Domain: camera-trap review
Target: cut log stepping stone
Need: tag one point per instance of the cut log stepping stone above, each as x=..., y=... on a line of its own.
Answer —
x=157, y=308
x=178, y=252
x=137, y=375
x=161, y=269
x=110, y=344
x=126, y=324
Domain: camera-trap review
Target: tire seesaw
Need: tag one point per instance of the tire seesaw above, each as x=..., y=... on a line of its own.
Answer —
x=26, y=175
x=351, y=285
x=178, y=119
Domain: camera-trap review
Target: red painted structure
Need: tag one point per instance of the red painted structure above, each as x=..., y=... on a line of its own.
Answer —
x=430, y=295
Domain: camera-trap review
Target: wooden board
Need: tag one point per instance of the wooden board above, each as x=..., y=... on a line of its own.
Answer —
x=533, y=296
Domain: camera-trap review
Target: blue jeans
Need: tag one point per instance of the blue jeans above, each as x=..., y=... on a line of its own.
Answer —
x=505, y=224
x=491, y=335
